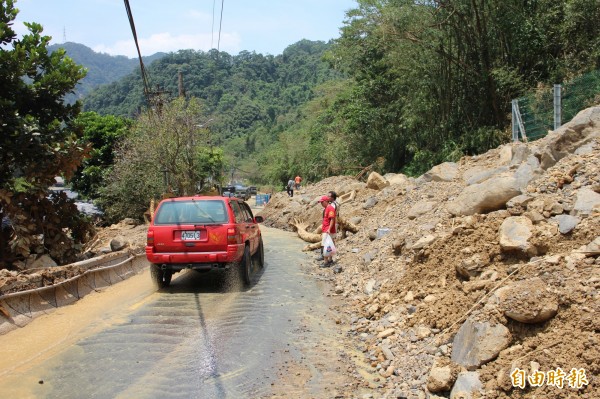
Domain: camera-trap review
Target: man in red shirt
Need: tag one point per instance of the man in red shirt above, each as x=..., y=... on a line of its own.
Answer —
x=297, y=180
x=328, y=229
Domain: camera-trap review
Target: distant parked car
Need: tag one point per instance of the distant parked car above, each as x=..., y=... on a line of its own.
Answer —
x=228, y=191
x=203, y=233
x=242, y=192
x=253, y=190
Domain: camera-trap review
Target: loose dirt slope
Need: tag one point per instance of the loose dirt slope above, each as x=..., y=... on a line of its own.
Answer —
x=476, y=269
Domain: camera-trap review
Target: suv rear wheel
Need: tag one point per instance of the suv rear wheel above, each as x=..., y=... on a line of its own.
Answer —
x=259, y=255
x=246, y=266
x=161, y=278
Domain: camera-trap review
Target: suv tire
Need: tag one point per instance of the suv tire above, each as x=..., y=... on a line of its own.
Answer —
x=161, y=278
x=246, y=266
x=259, y=256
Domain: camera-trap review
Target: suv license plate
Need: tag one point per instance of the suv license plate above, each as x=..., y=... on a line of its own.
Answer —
x=190, y=235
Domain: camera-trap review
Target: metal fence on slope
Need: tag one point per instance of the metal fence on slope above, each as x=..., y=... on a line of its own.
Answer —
x=545, y=109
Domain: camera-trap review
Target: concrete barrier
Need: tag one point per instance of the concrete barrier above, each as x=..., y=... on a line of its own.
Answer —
x=22, y=307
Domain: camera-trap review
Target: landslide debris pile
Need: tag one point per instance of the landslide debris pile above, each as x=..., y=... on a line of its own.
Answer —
x=476, y=274
x=41, y=271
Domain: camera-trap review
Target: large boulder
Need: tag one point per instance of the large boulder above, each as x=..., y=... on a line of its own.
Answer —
x=582, y=129
x=477, y=343
x=527, y=301
x=515, y=233
x=446, y=171
x=587, y=201
x=377, y=182
x=488, y=196
x=478, y=174
x=397, y=179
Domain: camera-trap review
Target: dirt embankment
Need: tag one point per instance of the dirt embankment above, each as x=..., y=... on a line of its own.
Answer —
x=474, y=271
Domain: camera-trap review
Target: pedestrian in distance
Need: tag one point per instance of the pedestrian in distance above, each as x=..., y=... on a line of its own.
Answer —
x=328, y=231
x=290, y=188
x=297, y=182
x=333, y=201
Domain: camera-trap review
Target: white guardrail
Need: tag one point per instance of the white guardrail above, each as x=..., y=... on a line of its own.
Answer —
x=24, y=306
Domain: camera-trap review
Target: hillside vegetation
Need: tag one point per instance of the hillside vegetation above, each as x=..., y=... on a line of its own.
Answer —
x=408, y=84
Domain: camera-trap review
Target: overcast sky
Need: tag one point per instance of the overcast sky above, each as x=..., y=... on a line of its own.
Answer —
x=264, y=26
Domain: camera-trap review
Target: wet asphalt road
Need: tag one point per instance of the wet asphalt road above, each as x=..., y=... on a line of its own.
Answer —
x=204, y=337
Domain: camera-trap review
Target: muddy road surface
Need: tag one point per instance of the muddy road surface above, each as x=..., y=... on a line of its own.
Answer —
x=203, y=337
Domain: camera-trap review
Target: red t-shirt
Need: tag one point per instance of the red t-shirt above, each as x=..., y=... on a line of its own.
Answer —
x=329, y=218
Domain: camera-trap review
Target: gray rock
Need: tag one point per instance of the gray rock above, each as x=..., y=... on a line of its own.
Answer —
x=446, y=171
x=473, y=266
x=383, y=231
x=387, y=352
x=467, y=386
x=478, y=175
x=593, y=248
x=376, y=181
x=527, y=172
x=581, y=130
x=485, y=197
x=370, y=286
x=566, y=223
x=585, y=149
x=520, y=200
x=397, y=179
x=370, y=203
x=477, y=343
x=421, y=208
x=527, y=301
x=587, y=200
x=423, y=242
x=356, y=220
x=515, y=233
x=43, y=261
x=520, y=153
x=441, y=378
x=118, y=243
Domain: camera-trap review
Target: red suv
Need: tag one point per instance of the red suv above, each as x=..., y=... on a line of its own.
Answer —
x=203, y=233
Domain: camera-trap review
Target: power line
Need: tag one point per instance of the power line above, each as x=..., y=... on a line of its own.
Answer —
x=220, y=24
x=137, y=46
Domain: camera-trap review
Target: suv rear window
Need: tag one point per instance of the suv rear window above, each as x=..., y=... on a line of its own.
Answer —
x=192, y=212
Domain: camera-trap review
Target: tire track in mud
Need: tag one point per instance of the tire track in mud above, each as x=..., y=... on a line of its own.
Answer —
x=207, y=337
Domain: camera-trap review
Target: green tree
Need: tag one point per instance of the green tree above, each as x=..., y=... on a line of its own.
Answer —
x=38, y=141
x=103, y=133
x=169, y=143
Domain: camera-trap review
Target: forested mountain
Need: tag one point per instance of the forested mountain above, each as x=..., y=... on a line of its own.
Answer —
x=101, y=68
x=406, y=86
x=250, y=97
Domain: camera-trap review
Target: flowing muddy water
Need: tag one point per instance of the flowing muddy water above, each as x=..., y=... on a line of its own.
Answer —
x=203, y=337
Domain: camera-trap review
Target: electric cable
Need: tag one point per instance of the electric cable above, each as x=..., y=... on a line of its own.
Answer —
x=137, y=46
x=220, y=25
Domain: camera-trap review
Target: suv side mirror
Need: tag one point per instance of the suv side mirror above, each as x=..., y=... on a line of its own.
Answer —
x=259, y=219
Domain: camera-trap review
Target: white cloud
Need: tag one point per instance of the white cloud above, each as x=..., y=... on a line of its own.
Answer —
x=165, y=42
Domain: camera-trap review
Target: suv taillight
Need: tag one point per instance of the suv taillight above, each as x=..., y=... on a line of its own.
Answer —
x=150, y=238
x=233, y=236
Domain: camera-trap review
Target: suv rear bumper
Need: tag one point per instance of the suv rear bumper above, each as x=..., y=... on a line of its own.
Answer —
x=195, y=260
